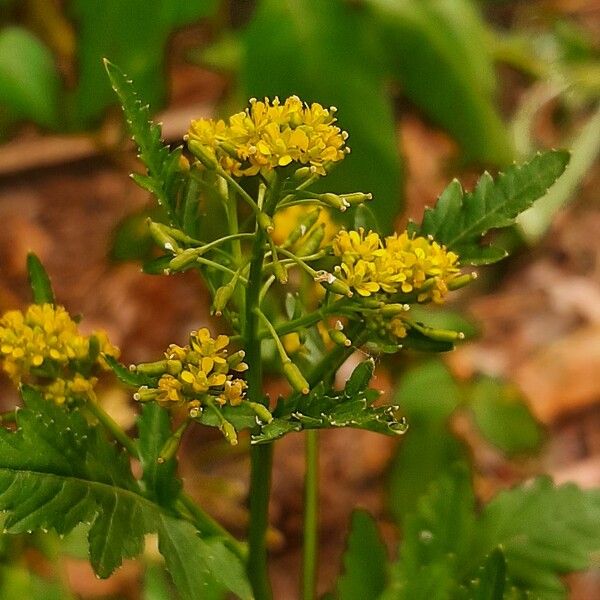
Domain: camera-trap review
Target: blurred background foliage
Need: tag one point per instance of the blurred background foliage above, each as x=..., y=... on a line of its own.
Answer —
x=456, y=63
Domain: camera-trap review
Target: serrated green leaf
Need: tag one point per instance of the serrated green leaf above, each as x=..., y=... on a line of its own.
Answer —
x=318, y=410
x=133, y=34
x=439, y=53
x=308, y=48
x=29, y=80
x=544, y=531
x=460, y=219
x=39, y=281
x=200, y=568
x=162, y=163
x=365, y=572
x=57, y=471
x=156, y=584
x=154, y=429
x=502, y=416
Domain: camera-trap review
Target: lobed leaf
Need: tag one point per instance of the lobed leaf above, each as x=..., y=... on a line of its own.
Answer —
x=321, y=410
x=460, y=219
x=161, y=163
x=57, y=471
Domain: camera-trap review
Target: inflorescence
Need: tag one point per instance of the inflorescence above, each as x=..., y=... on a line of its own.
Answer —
x=270, y=134
x=43, y=347
x=196, y=374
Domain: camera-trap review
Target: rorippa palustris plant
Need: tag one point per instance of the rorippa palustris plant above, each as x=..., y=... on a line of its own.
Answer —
x=297, y=293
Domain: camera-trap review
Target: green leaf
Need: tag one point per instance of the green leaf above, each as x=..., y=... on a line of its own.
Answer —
x=439, y=53
x=200, y=567
x=133, y=34
x=437, y=540
x=365, y=572
x=29, y=81
x=309, y=48
x=154, y=429
x=426, y=453
x=318, y=410
x=428, y=395
x=503, y=418
x=491, y=582
x=162, y=163
x=460, y=219
x=39, y=281
x=57, y=471
x=156, y=585
x=544, y=531
x=360, y=378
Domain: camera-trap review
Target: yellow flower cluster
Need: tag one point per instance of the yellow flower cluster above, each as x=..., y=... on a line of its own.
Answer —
x=271, y=134
x=398, y=263
x=42, y=345
x=199, y=371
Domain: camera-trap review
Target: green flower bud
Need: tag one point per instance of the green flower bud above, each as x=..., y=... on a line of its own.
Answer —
x=161, y=237
x=295, y=377
x=203, y=154
x=312, y=242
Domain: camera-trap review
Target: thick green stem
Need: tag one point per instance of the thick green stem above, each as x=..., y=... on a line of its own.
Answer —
x=261, y=460
x=311, y=516
x=261, y=455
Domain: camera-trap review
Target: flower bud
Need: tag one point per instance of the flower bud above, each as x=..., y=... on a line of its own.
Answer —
x=203, y=154
x=391, y=310
x=357, y=198
x=262, y=412
x=222, y=297
x=161, y=237
x=312, y=242
x=295, y=377
x=184, y=259
x=339, y=337
x=335, y=201
x=264, y=221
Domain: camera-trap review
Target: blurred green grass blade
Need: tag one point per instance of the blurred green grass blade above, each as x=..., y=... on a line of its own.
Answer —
x=438, y=52
x=492, y=578
x=30, y=87
x=365, y=560
x=39, y=281
x=132, y=34
x=328, y=52
x=535, y=221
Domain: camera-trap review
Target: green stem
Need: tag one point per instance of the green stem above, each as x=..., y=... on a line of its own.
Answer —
x=311, y=516
x=261, y=456
x=322, y=372
x=113, y=427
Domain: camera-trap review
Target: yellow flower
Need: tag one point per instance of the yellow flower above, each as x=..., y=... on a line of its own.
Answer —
x=42, y=347
x=399, y=263
x=269, y=134
x=203, y=372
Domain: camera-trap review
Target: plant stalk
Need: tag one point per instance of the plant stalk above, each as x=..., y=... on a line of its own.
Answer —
x=261, y=456
x=311, y=516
